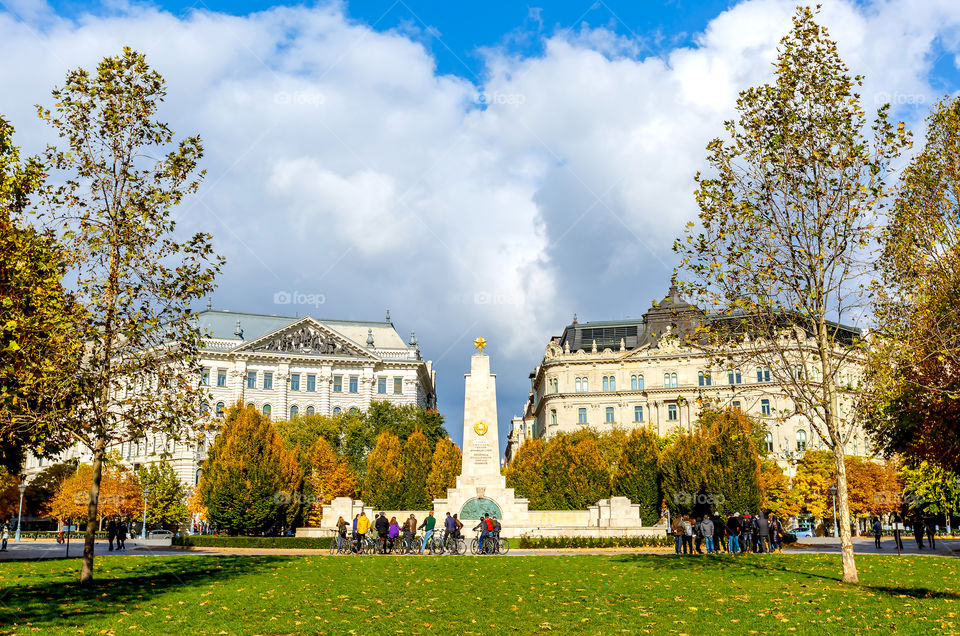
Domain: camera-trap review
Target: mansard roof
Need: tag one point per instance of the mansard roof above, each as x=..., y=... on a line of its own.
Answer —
x=223, y=325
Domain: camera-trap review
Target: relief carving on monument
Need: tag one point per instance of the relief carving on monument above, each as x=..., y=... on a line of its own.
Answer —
x=306, y=340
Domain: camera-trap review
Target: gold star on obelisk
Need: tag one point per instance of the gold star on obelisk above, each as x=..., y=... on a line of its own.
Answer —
x=480, y=343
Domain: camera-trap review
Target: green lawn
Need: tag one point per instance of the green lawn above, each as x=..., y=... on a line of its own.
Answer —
x=610, y=593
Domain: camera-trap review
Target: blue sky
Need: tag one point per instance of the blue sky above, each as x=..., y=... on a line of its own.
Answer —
x=477, y=168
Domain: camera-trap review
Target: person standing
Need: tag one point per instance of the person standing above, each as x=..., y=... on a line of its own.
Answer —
x=410, y=531
x=486, y=529
x=122, y=535
x=918, y=530
x=363, y=526
x=341, y=532
x=763, y=533
x=776, y=529
x=677, y=530
x=698, y=535
x=718, y=533
x=706, y=530
x=688, y=524
x=459, y=526
x=354, y=535
x=877, y=531
x=393, y=533
x=427, y=527
x=931, y=525
x=383, y=531
x=449, y=527
x=897, y=528
x=111, y=533
x=4, y=535
x=733, y=532
x=746, y=532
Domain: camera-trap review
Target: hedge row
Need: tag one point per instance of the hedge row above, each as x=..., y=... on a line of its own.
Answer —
x=224, y=541
x=530, y=543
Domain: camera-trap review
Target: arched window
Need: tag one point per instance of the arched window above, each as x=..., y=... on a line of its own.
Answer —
x=613, y=383
x=251, y=405
x=204, y=408
x=640, y=382
x=633, y=383
x=606, y=383
x=673, y=380
x=553, y=418
x=801, y=441
x=266, y=410
x=196, y=479
x=586, y=385
x=336, y=410
x=354, y=410
x=310, y=410
x=769, y=441
x=856, y=446
x=666, y=380
x=294, y=411
x=220, y=407
x=579, y=386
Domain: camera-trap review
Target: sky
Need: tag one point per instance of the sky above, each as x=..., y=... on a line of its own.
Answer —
x=477, y=168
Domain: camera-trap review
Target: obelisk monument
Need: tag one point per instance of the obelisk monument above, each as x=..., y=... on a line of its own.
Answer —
x=481, y=438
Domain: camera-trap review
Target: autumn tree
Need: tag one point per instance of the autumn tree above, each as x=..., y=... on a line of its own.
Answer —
x=382, y=484
x=914, y=366
x=775, y=493
x=417, y=461
x=39, y=344
x=245, y=484
x=44, y=485
x=575, y=474
x=814, y=476
x=637, y=474
x=330, y=477
x=786, y=219
x=120, y=173
x=931, y=488
x=167, y=499
x=445, y=468
x=9, y=494
x=525, y=473
x=120, y=492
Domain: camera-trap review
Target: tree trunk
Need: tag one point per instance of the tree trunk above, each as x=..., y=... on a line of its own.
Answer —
x=843, y=511
x=89, y=539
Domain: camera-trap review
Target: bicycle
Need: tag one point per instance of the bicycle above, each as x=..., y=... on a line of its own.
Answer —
x=489, y=545
x=454, y=545
x=503, y=545
x=408, y=545
x=344, y=546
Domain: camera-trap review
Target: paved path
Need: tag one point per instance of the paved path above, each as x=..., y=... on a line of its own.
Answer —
x=48, y=549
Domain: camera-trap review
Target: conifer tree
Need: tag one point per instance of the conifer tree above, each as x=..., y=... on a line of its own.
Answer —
x=417, y=460
x=638, y=474
x=246, y=483
x=330, y=478
x=447, y=464
x=589, y=477
x=382, y=487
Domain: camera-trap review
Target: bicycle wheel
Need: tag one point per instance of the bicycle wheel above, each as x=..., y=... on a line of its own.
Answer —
x=461, y=546
x=475, y=546
x=489, y=545
x=504, y=545
x=333, y=546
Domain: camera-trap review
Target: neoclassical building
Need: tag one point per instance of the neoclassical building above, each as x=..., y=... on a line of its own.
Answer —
x=285, y=367
x=625, y=373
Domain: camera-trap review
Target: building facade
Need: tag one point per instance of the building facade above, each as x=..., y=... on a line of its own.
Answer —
x=285, y=367
x=626, y=374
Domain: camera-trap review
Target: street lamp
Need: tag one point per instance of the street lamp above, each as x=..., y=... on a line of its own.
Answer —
x=23, y=488
x=833, y=492
x=146, y=495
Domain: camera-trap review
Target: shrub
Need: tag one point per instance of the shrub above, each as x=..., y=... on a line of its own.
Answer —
x=224, y=541
x=547, y=543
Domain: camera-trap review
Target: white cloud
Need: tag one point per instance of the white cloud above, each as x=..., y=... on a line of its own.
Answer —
x=340, y=163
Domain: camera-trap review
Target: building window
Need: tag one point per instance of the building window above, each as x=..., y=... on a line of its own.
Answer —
x=336, y=410
x=609, y=383
x=220, y=407
x=267, y=380
x=734, y=377
x=397, y=386
x=310, y=410
x=251, y=405
x=555, y=383
x=251, y=379
x=763, y=374
x=636, y=382
x=266, y=410
x=606, y=383
x=609, y=415
x=553, y=418
x=338, y=384
x=354, y=410
x=196, y=479
x=764, y=407
x=294, y=412
x=381, y=385
x=769, y=441
x=221, y=377
x=801, y=441
x=704, y=379
x=294, y=381
x=577, y=385
x=205, y=377
x=798, y=372
x=736, y=405
x=856, y=446
x=670, y=380
x=581, y=416
x=311, y=383
x=204, y=408
x=672, y=413
x=354, y=384
x=638, y=414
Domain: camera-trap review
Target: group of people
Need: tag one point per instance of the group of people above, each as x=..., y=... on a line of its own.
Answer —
x=738, y=534
x=117, y=531
x=388, y=532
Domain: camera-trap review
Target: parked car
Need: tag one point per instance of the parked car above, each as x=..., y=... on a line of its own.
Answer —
x=803, y=531
x=159, y=534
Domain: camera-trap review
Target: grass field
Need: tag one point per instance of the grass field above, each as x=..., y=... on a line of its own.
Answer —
x=576, y=593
